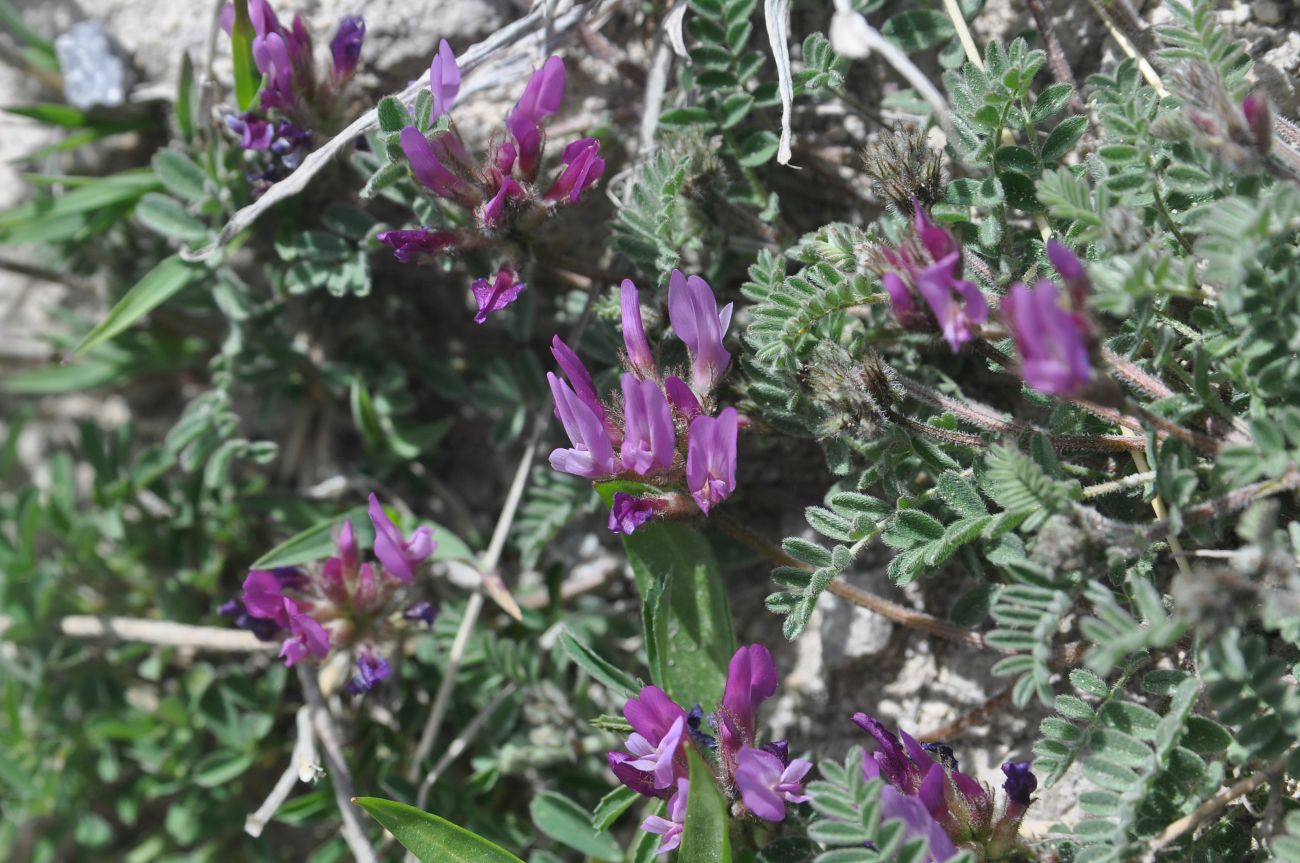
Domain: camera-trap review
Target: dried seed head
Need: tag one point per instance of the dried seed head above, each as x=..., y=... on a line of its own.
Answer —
x=902, y=166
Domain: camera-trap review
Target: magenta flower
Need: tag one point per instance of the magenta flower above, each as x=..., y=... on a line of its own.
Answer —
x=649, y=437
x=255, y=132
x=628, y=512
x=766, y=784
x=656, y=721
x=671, y=827
x=693, y=312
x=592, y=453
x=1053, y=345
x=496, y=295
x=711, y=458
x=917, y=822
x=345, y=47
x=1259, y=119
x=263, y=597
x=541, y=98
x=271, y=56
x=1074, y=276
x=751, y=680
x=399, y=555
x=497, y=207
x=956, y=303
x=657, y=758
x=431, y=173
x=578, y=376
x=682, y=398
x=634, y=340
x=418, y=245
x=308, y=637
x=582, y=168
x=444, y=80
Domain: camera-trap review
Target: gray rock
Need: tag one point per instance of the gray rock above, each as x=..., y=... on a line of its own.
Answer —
x=95, y=72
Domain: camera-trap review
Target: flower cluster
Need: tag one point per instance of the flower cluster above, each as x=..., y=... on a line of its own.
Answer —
x=936, y=801
x=928, y=264
x=669, y=436
x=343, y=602
x=500, y=195
x=293, y=100
x=1053, y=342
x=760, y=780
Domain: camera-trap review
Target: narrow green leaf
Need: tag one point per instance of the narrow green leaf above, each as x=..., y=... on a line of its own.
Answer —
x=704, y=836
x=183, y=110
x=247, y=79
x=179, y=174
x=157, y=286
x=569, y=824
x=433, y=839
x=612, y=805
x=686, y=117
x=619, y=682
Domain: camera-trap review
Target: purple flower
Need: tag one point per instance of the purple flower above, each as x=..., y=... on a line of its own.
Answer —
x=957, y=304
x=899, y=766
x=308, y=637
x=1052, y=344
x=657, y=758
x=693, y=312
x=260, y=14
x=628, y=512
x=399, y=555
x=578, y=377
x=592, y=454
x=751, y=680
x=271, y=56
x=421, y=611
x=418, y=245
x=1021, y=782
x=345, y=47
x=254, y=131
x=654, y=717
x=671, y=827
x=494, y=212
x=917, y=822
x=444, y=80
x=711, y=458
x=371, y=670
x=766, y=784
x=937, y=241
x=427, y=169
x=541, y=98
x=496, y=295
x=649, y=437
x=681, y=397
x=263, y=597
x=1073, y=274
x=1259, y=120
x=346, y=544
x=634, y=340
x=582, y=168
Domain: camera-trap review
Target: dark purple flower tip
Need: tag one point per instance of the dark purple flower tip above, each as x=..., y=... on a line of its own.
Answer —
x=1021, y=782
x=345, y=47
x=496, y=295
x=418, y=245
x=890, y=760
x=942, y=752
x=695, y=724
x=628, y=512
x=779, y=748
x=230, y=608
x=421, y=611
x=255, y=132
x=640, y=781
x=371, y=670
